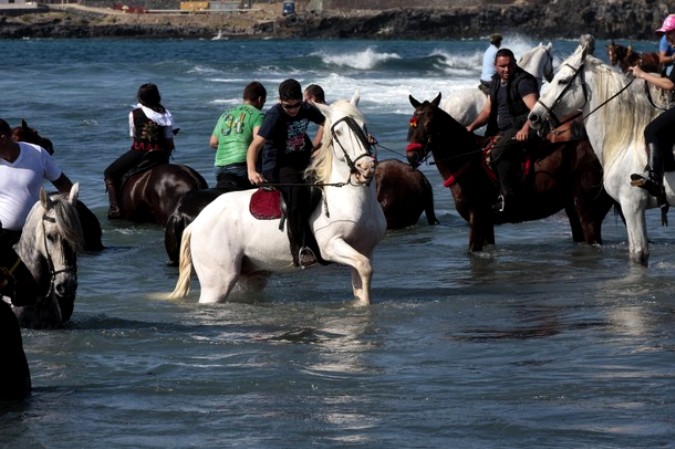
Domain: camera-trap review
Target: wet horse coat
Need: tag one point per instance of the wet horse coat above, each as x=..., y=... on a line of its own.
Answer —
x=50, y=240
x=615, y=111
x=564, y=176
x=227, y=246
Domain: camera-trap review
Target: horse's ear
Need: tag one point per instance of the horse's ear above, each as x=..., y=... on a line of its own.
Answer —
x=45, y=200
x=74, y=192
x=436, y=101
x=416, y=104
x=549, y=46
x=24, y=125
x=355, y=98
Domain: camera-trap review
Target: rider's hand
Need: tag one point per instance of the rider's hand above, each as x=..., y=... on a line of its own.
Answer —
x=255, y=178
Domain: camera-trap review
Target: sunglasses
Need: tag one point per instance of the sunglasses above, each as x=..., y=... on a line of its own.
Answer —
x=290, y=107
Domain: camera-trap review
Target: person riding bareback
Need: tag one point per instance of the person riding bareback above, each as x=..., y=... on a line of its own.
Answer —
x=151, y=128
x=513, y=92
x=23, y=168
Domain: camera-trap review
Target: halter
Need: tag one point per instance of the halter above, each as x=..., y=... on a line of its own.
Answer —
x=53, y=273
x=361, y=135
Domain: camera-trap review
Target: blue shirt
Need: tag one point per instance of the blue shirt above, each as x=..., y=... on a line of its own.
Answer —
x=489, y=63
x=665, y=46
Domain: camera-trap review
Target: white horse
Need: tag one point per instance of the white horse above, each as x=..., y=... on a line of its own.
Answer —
x=615, y=112
x=227, y=245
x=50, y=240
x=465, y=104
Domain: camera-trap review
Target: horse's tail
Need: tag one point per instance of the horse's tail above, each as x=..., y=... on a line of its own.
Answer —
x=185, y=267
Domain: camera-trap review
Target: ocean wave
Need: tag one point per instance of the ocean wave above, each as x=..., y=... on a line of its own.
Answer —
x=363, y=60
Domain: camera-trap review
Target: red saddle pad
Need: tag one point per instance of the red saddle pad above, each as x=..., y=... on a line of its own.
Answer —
x=266, y=204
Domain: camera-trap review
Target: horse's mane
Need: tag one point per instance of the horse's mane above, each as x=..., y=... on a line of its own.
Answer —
x=66, y=217
x=320, y=168
x=627, y=115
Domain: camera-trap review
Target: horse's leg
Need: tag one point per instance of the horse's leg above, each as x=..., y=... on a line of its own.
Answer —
x=362, y=269
x=481, y=232
x=579, y=234
x=636, y=226
x=428, y=195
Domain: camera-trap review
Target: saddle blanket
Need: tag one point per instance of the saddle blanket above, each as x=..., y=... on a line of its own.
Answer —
x=266, y=204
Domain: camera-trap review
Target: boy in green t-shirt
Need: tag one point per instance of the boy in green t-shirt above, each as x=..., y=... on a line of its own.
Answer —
x=232, y=136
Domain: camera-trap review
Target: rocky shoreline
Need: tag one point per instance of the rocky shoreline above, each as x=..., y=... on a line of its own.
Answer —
x=605, y=19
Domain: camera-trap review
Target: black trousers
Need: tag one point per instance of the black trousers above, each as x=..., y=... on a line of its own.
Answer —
x=131, y=159
x=296, y=193
x=506, y=156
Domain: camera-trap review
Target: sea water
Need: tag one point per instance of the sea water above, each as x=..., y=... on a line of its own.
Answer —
x=535, y=343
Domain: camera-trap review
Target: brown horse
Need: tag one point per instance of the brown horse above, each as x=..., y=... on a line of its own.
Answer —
x=403, y=192
x=90, y=224
x=566, y=175
x=625, y=57
x=150, y=196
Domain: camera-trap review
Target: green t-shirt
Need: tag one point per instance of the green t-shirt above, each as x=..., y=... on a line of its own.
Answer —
x=235, y=132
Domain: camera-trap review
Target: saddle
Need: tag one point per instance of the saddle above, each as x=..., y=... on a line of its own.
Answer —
x=527, y=161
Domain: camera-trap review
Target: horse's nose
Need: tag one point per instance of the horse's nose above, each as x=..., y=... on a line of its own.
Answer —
x=66, y=288
x=534, y=118
x=366, y=167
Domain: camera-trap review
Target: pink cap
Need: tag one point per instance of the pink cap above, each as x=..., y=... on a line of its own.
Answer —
x=668, y=24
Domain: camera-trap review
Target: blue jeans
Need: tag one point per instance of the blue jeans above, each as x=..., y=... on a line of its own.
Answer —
x=232, y=177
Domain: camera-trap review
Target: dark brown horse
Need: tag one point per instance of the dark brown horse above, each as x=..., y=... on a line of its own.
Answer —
x=402, y=191
x=90, y=224
x=565, y=175
x=150, y=196
x=16, y=382
x=626, y=57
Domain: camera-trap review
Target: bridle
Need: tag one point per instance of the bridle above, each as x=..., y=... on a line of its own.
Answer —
x=53, y=272
x=578, y=72
x=553, y=118
x=361, y=136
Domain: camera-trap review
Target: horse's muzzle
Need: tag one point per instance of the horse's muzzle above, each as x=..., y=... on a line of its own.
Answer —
x=413, y=154
x=365, y=169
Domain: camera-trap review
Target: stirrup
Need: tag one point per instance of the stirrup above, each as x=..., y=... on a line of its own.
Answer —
x=500, y=205
x=653, y=187
x=306, y=257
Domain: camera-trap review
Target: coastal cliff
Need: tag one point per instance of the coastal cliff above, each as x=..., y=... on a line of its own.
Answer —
x=605, y=19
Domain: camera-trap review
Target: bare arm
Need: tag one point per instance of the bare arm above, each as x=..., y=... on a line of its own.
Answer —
x=664, y=59
x=530, y=101
x=213, y=142
x=653, y=78
x=252, y=157
x=316, y=144
x=63, y=184
x=482, y=118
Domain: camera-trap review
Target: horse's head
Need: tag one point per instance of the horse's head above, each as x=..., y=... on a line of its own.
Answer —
x=24, y=133
x=538, y=62
x=346, y=136
x=421, y=129
x=49, y=243
x=566, y=95
x=618, y=54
